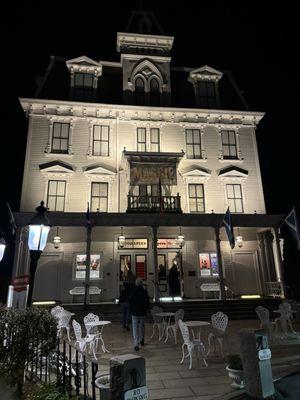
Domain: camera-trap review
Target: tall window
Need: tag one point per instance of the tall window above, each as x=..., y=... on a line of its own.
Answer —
x=60, y=137
x=196, y=197
x=141, y=139
x=101, y=140
x=207, y=94
x=83, y=86
x=154, y=139
x=229, y=146
x=139, y=92
x=99, y=196
x=56, y=195
x=193, y=143
x=234, y=197
x=154, y=92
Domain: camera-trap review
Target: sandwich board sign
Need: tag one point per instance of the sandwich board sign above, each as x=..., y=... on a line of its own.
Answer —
x=140, y=393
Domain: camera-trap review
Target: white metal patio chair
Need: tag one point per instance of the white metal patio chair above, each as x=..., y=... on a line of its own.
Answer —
x=63, y=318
x=83, y=342
x=265, y=323
x=96, y=332
x=157, y=321
x=191, y=345
x=219, y=322
x=179, y=314
x=284, y=321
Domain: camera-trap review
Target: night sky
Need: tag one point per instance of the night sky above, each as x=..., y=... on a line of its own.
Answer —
x=254, y=41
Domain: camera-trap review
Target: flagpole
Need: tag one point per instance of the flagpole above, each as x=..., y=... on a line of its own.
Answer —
x=220, y=263
x=88, y=261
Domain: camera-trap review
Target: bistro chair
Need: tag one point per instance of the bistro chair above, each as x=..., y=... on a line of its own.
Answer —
x=83, y=342
x=265, y=323
x=157, y=321
x=179, y=314
x=63, y=318
x=219, y=322
x=89, y=318
x=191, y=345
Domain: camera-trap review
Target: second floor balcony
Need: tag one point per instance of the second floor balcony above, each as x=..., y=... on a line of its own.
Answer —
x=154, y=204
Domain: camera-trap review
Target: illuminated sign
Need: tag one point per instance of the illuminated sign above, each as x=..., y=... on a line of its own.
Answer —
x=134, y=243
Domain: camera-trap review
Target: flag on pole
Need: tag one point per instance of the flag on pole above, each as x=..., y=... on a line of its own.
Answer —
x=229, y=228
x=12, y=221
x=88, y=217
x=292, y=223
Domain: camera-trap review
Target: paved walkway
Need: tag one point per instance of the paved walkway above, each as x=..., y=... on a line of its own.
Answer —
x=168, y=380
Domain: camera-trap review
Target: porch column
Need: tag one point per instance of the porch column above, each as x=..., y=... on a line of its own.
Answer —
x=154, y=243
x=278, y=257
x=220, y=264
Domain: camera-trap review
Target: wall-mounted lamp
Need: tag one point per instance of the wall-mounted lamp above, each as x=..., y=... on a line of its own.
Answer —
x=239, y=239
x=56, y=239
x=180, y=238
x=121, y=238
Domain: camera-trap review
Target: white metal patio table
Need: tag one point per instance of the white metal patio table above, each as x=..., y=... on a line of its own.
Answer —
x=98, y=335
x=166, y=316
x=196, y=325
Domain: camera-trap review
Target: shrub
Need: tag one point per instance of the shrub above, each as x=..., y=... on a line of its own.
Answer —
x=235, y=362
x=47, y=392
x=21, y=331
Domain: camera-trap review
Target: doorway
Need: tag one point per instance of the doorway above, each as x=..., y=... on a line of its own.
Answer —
x=134, y=262
x=165, y=262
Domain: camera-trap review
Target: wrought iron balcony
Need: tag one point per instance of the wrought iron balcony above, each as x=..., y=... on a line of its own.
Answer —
x=167, y=204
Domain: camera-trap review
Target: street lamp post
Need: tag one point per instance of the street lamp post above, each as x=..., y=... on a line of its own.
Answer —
x=2, y=247
x=39, y=228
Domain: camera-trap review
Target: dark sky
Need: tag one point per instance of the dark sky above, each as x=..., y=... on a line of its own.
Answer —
x=256, y=41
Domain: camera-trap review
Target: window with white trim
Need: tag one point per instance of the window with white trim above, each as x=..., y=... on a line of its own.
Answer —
x=196, y=198
x=207, y=94
x=100, y=140
x=154, y=140
x=193, y=143
x=235, y=198
x=99, y=196
x=229, y=144
x=60, y=137
x=56, y=195
x=141, y=139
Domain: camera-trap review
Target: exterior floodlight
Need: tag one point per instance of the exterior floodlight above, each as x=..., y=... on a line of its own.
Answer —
x=56, y=240
x=2, y=247
x=239, y=239
x=121, y=238
x=180, y=238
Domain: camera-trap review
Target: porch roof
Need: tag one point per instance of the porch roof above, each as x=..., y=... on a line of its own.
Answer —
x=152, y=219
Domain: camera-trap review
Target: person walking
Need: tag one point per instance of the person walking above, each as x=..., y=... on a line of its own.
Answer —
x=124, y=303
x=139, y=303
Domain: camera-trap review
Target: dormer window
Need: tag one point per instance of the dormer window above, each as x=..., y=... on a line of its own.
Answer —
x=205, y=82
x=83, y=86
x=207, y=94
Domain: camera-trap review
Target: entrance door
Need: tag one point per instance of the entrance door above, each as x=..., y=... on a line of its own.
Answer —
x=245, y=274
x=165, y=262
x=133, y=265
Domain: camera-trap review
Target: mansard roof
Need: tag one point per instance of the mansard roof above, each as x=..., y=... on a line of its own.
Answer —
x=56, y=86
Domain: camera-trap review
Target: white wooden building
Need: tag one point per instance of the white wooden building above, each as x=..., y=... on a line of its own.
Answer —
x=156, y=150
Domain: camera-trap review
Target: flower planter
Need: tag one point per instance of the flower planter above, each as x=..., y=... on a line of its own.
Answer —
x=237, y=376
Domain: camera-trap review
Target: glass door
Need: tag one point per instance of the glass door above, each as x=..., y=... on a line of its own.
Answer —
x=132, y=266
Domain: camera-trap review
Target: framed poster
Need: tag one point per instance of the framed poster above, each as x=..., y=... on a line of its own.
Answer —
x=80, y=266
x=214, y=264
x=204, y=264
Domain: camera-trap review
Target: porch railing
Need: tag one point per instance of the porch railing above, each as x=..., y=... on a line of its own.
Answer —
x=154, y=204
x=274, y=289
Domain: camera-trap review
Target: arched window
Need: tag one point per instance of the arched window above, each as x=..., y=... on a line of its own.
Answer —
x=154, y=92
x=139, y=92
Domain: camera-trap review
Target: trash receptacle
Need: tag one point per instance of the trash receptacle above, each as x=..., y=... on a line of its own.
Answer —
x=103, y=384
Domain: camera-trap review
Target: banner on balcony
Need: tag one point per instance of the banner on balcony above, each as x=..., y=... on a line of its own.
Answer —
x=150, y=174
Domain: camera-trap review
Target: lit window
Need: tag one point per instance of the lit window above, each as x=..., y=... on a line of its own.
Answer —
x=234, y=197
x=229, y=145
x=99, y=197
x=60, y=138
x=56, y=195
x=193, y=143
x=141, y=139
x=196, y=198
x=101, y=140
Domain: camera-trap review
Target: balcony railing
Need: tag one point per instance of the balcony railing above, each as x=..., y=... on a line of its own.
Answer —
x=168, y=204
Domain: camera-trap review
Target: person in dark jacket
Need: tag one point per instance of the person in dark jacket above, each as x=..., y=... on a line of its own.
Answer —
x=139, y=304
x=174, y=282
x=124, y=303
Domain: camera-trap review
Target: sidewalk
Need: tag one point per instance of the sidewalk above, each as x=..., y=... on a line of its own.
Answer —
x=167, y=379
